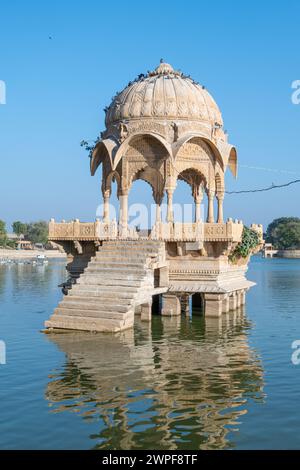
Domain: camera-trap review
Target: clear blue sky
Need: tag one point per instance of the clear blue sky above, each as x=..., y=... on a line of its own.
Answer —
x=245, y=53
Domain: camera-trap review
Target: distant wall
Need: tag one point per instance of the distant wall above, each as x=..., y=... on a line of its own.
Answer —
x=288, y=254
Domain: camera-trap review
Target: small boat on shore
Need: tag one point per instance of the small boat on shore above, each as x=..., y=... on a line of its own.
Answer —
x=40, y=259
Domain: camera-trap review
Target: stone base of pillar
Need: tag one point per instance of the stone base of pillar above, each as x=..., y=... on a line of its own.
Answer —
x=185, y=305
x=213, y=305
x=146, y=311
x=138, y=310
x=164, y=276
x=233, y=301
x=238, y=298
x=225, y=307
x=171, y=305
x=243, y=297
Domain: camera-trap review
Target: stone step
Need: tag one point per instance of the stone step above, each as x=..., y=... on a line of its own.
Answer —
x=69, y=304
x=91, y=314
x=120, y=259
x=118, y=275
x=101, y=294
x=99, y=301
x=94, y=279
x=128, y=249
x=109, y=274
x=104, y=289
x=117, y=263
x=132, y=243
x=115, y=267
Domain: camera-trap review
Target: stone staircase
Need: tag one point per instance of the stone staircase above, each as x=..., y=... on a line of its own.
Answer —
x=115, y=281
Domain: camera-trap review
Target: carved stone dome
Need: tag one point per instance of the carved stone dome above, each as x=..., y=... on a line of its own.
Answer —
x=164, y=94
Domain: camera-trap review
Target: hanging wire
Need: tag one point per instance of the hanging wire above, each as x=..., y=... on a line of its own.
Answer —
x=273, y=186
x=244, y=191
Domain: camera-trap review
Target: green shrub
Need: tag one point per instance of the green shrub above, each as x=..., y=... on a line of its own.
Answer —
x=250, y=240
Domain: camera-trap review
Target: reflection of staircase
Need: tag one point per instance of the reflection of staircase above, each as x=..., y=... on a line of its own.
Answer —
x=118, y=278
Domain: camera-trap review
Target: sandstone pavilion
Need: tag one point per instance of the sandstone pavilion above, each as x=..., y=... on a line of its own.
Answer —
x=162, y=128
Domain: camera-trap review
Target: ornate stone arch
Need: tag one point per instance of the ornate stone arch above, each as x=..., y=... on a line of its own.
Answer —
x=161, y=148
x=194, y=178
x=104, y=150
x=205, y=144
x=152, y=177
x=107, y=181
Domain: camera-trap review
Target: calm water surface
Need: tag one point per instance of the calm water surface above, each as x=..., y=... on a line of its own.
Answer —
x=182, y=384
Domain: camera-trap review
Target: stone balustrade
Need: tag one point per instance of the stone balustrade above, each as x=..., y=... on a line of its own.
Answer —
x=229, y=231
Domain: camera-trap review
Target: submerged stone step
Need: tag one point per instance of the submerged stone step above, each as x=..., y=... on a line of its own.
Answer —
x=85, y=323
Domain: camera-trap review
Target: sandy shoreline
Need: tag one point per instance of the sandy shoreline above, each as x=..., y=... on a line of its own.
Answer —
x=26, y=254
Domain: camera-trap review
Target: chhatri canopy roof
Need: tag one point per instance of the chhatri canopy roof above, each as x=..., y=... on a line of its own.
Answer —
x=164, y=93
x=168, y=106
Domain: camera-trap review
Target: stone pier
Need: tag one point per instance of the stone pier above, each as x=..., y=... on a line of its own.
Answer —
x=171, y=305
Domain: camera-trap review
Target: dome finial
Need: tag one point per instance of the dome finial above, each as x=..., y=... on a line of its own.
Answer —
x=163, y=69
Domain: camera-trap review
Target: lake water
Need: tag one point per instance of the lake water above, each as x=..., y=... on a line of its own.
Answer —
x=182, y=384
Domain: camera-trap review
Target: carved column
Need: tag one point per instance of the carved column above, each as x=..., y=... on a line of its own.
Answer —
x=106, y=197
x=170, y=215
x=220, y=197
x=157, y=214
x=123, y=208
x=210, y=211
x=198, y=201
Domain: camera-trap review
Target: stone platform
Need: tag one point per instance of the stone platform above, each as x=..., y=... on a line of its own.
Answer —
x=122, y=277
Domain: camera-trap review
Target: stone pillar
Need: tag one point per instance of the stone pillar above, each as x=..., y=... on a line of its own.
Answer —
x=123, y=209
x=232, y=301
x=226, y=304
x=146, y=311
x=198, y=201
x=213, y=305
x=185, y=305
x=220, y=198
x=164, y=276
x=171, y=305
x=243, y=297
x=106, y=197
x=170, y=215
x=210, y=211
x=238, y=298
x=158, y=214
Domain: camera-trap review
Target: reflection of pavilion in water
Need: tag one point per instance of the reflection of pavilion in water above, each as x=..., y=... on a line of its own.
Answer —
x=181, y=385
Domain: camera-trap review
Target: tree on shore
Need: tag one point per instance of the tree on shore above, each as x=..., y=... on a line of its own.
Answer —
x=37, y=232
x=284, y=233
x=3, y=237
x=19, y=228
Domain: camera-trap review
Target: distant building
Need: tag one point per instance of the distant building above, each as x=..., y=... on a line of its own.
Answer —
x=269, y=251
